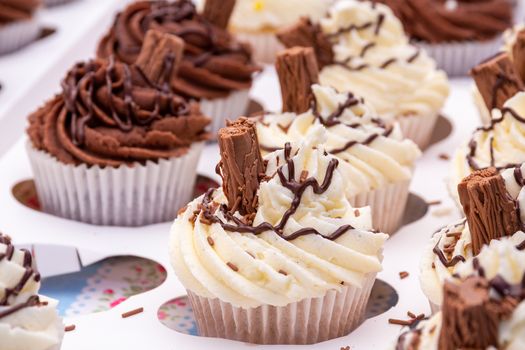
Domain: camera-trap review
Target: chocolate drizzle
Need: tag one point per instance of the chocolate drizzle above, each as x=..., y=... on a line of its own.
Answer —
x=296, y=187
x=82, y=112
x=29, y=273
x=333, y=120
x=441, y=255
x=473, y=145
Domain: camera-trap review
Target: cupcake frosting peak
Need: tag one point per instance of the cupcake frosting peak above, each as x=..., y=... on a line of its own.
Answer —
x=371, y=55
x=371, y=151
x=27, y=320
x=110, y=113
x=483, y=307
x=214, y=63
x=303, y=239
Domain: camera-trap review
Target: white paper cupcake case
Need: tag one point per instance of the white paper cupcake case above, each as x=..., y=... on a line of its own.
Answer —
x=306, y=322
x=457, y=58
x=220, y=109
x=16, y=35
x=123, y=196
x=434, y=307
x=418, y=128
x=388, y=205
x=265, y=45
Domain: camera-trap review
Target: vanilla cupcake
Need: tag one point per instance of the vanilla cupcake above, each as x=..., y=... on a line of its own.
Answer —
x=27, y=320
x=374, y=158
x=117, y=146
x=500, y=144
x=18, y=24
x=277, y=242
x=258, y=21
x=484, y=305
x=494, y=205
x=361, y=47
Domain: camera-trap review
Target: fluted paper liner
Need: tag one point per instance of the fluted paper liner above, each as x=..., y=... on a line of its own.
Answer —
x=434, y=307
x=14, y=36
x=265, y=45
x=457, y=58
x=387, y=204
x=305, y=322
x=124, y=196
x=230, y=107
x=418, y=128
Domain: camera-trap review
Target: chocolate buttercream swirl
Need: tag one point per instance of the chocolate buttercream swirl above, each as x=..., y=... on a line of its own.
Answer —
x=17, y=10
x=214, y=64
x=110, y=113
x=437, y=21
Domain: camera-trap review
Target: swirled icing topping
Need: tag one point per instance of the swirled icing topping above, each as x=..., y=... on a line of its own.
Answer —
x=214, y=64
x=27, y=321
x=17, y=10
x=449, y=250
x=370, y=153
x=438, y=21
x=110, y=113
x=500, y=144
x=270, y=15
x=374, y=58
x=303, y=240
x=503, y=266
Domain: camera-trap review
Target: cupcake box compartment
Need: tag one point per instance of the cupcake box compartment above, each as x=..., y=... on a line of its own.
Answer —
x=33, y=75
x=106, y=330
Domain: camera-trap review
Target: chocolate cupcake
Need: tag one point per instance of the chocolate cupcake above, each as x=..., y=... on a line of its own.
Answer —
x=18, y=24
x=494, y=209
x=216, y=69
x=27, y=320
x=374, y=157
x=361, y=48
x=277, y=255
x=117, y=146
x=456, y=33
x=483, y=305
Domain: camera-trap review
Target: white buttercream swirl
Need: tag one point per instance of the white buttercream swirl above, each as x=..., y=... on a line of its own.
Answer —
x=389, y=158
x=499, y=258
x=271, y=15
x=397, y=78
x=270, y=270
x=502, y=145
x=36, y=326
x=432, y=271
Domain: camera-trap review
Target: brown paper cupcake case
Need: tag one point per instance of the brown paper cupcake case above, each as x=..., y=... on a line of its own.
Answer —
x=305, y=322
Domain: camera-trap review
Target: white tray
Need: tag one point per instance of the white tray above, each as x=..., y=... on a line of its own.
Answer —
x=28, y=82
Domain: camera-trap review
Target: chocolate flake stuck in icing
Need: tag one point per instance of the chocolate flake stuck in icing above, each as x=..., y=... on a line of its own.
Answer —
x=297, y=70
x=490, y=211
x=296, y=187
x=497, y=80
x=241, y=165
